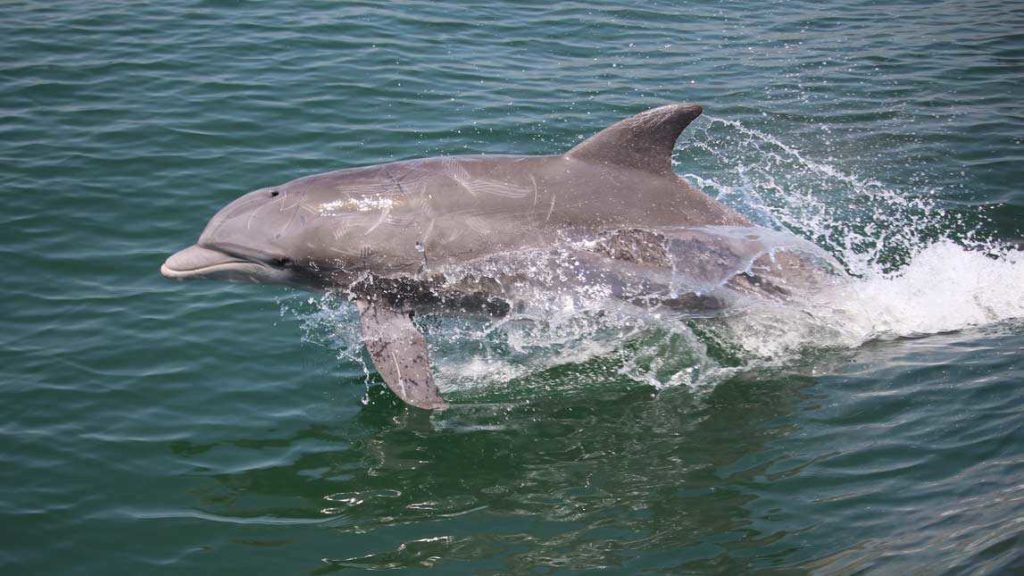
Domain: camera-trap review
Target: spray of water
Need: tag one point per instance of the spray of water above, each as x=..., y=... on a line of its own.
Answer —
x=915, y=269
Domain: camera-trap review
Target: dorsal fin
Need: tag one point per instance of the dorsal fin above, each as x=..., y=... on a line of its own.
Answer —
x=642, y=142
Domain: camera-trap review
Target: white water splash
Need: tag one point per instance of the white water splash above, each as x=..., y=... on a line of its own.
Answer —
x=917, y=269
x=944, y=288
x=868, y=225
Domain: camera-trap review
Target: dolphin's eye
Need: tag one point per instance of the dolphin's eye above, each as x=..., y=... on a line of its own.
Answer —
x=274, y=193
x=281, y=262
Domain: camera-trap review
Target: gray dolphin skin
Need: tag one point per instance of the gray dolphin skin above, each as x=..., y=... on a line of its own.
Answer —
x=380, y=232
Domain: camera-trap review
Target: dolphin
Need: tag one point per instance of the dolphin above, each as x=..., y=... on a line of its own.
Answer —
x=381, y=232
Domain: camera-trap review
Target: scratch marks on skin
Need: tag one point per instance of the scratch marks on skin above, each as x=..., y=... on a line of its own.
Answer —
x=248, y=223
x=413, y=181
x=449, y=234
x=534, y=182
x=551, y=208
x=416, y=187
x=280, y=200
x=456, y=171
x=396, y=181
x=477, y=186
x=287, y=224
x=495, y=188
x=383, y=216
x=478, y=225
x=338, y=232
x=421, y=204
x=396, y=221
x=398, y=371
x=426, y=234
x=281, y=195
x=294, y=207
x=365, y=187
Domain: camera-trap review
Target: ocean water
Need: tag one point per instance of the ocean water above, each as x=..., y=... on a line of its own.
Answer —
x=154, y=427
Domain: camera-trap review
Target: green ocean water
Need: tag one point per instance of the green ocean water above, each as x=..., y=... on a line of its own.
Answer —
x=156, y=427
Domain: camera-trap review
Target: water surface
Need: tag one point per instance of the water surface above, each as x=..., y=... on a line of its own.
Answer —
x=156, y=427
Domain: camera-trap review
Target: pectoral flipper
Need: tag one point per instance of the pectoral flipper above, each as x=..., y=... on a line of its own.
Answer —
x=399, y=352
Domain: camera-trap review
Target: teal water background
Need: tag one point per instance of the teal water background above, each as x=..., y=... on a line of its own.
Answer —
x=153, y=427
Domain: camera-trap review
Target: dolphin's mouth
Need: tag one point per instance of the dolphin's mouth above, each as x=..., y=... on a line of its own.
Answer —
x=199, y=262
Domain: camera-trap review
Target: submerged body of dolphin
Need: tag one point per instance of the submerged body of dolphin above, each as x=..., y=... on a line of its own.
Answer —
x=384, y=233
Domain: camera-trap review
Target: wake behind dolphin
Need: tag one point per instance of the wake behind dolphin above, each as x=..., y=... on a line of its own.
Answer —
x=451, y=234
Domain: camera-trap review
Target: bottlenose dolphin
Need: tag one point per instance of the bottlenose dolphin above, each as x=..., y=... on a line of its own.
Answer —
x=381, y=232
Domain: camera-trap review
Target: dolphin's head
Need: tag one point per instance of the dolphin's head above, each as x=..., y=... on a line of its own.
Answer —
x=312, y=232
x=260, y=237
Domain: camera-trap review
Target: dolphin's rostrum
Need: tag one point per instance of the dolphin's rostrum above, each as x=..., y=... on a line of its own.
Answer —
x=380, y=232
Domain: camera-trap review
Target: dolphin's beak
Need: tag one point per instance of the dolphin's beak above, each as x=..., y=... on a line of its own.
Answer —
x=198, y=262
